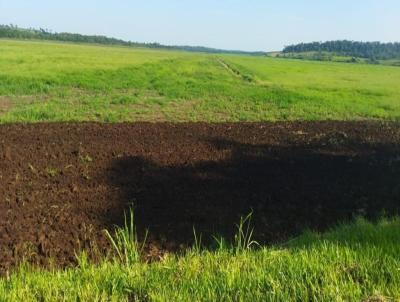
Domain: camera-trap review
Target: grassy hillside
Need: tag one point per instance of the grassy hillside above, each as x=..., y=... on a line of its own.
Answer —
x=330, y=90
x=357, y=262
x=44, y=81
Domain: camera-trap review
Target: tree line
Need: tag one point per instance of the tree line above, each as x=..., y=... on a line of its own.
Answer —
x=369, y=50
x=15, y=32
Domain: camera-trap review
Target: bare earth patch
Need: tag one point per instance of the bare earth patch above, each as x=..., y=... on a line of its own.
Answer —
x=6, y=104
x=62, y=184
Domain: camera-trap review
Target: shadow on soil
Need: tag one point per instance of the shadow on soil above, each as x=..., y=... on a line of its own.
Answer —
x=288, y=188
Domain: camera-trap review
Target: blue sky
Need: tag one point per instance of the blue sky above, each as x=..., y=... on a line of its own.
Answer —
x=230, y=24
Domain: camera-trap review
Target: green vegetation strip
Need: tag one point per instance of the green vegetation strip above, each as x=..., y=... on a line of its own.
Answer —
x=354, y=262
x=55, y=82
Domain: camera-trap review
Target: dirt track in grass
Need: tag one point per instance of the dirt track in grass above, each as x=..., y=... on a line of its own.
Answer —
x=61, y=185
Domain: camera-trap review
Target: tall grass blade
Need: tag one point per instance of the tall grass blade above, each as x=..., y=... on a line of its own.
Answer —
x=125, y=241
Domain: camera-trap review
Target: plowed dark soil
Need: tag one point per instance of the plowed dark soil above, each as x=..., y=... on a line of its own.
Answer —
x=61, y=185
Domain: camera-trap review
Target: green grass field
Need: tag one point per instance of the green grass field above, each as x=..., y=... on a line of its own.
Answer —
x=356, y=262
x=45, y=81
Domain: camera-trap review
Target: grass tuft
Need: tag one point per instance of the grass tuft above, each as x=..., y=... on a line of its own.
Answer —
x=244, y=236
x=125, y=241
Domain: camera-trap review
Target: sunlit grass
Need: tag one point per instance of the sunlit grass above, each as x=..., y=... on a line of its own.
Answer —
x=43, y=81
x=353, y=262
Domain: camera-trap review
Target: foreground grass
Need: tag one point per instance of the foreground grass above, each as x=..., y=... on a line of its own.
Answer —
x=41, y=81
x=356, y=262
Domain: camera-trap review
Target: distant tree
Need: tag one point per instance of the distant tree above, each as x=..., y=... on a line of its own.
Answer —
x=12, y=31
x=373, y=60
x=373, y=51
